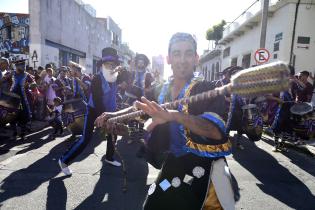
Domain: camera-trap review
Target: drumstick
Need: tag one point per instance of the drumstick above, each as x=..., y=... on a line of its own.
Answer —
x=255, y=81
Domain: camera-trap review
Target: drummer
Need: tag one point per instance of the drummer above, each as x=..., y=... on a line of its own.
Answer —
x=142, y=62
x=21, y=80
x=234, y=119
x=102, y=98
x=80, y=82
x=282, y=124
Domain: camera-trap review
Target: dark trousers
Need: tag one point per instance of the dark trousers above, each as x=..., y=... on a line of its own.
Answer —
x=86, y=137
x=58, y=126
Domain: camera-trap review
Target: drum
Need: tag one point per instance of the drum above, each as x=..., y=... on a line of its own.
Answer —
x=74, y=114
x=9, y=107
x=301, y=118
x=252, y=122
x=133, y=93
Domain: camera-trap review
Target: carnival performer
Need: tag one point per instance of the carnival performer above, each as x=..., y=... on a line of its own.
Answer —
x=194, y=174
x=141, y=64
x=102, y=98
x=282, y=125
x=21, y=82
x=80, y=82
x=64, y=84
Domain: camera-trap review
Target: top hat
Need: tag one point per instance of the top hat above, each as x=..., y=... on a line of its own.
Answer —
x=110, y=55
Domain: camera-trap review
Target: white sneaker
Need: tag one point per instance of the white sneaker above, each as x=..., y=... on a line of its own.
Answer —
x=64, y=168
x=113, y=162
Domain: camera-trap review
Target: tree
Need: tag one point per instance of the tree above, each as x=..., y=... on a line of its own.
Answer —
x=215, y=33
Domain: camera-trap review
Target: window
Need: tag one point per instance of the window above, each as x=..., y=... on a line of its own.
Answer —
x=276, y=46
x=226, y=52
x=303, y=40
x=246, y=61
x=278, y=37
x=217, y=71
x=275, y=56
x=212, y=72
x=234, y=62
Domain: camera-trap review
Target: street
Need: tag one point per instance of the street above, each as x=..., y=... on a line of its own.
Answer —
x=30, y=177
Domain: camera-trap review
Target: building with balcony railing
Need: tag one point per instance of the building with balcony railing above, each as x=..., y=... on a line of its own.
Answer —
x=290, y=36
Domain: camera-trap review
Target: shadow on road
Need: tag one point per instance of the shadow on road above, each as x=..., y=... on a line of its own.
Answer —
x=108, y=192
x=56, y=194
x=301, y=161
x=276, y=180
x=28, y=179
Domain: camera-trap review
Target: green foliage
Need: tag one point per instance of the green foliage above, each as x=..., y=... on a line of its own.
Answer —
x=215, y=32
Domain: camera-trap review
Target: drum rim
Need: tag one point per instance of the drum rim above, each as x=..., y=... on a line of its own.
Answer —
x=304, y=112
x=11, y=94
x=249, y=106
x=72, y=100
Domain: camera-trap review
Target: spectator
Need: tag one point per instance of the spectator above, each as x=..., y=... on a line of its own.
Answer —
x=305, y=94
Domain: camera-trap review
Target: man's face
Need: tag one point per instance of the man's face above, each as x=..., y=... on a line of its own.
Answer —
x=140, y=64
x=109, y=65
x=19, y=70
x=3, y=66
x=303, y=78
x=49, y=73
x=183, y=59
x=62, y=74
x=73, y=73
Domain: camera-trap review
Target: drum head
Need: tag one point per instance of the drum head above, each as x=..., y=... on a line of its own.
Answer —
x=301, y=108
x=249, y=106
x=260, y=99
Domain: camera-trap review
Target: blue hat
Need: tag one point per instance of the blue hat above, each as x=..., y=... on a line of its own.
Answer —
x=110, y=55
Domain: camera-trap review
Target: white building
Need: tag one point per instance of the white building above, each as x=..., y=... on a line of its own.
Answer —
x=66, y=30
x=290, y=37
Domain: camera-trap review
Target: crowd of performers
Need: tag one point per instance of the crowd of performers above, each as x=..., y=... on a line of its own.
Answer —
x=188, y=144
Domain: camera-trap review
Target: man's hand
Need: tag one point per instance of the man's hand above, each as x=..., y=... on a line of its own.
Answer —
x=118, y=129
x=101, y=121
x=159, y=114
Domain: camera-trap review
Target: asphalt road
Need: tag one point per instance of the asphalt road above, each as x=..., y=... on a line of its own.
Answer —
x=30, y=177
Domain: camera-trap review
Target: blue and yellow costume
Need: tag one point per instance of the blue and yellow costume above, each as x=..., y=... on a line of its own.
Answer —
x=184, y=181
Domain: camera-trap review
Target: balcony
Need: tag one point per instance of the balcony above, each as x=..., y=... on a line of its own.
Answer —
x=247, y=20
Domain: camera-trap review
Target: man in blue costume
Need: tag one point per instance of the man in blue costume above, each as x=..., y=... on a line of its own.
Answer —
x=194, y=174
x=141, y=63
x=21, y=81
x=102, y=98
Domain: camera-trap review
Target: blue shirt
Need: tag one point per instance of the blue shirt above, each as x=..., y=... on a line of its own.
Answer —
x=178, y=137
x=109, y=95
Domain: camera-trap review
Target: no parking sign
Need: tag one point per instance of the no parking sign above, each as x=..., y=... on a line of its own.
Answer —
x=262, y=55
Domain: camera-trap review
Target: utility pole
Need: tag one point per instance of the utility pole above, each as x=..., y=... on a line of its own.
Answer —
x=264, y=19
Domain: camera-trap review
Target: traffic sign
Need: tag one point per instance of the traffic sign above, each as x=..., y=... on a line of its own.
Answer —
x=262, y=55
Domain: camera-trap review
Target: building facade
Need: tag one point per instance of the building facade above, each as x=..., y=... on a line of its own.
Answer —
x=68, y=30
x=290, y=36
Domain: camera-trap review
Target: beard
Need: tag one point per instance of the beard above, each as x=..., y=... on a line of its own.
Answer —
x=109, y=75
